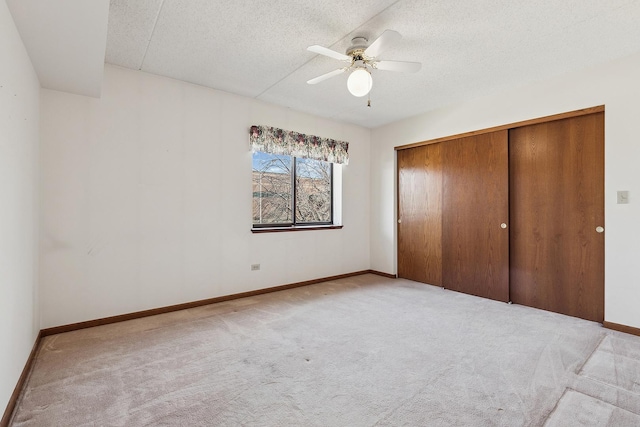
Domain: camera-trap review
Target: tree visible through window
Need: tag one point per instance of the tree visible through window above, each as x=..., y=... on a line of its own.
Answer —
x=291, y=191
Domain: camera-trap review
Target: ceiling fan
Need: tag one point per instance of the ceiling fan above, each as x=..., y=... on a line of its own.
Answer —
x=361, y=60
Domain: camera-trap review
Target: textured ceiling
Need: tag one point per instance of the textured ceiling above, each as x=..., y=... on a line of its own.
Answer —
x=468, y=48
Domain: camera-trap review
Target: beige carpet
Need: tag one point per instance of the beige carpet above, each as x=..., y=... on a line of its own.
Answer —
x=363, y=351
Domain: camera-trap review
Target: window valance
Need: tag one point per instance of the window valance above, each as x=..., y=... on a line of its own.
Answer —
x=278, y=141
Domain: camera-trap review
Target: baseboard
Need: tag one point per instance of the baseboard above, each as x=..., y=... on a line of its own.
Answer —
x=380, y=273
x=155, y=311
x=621, y=328
x=13, y=400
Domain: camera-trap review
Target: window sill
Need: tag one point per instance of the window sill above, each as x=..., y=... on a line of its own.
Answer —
x=295, y=228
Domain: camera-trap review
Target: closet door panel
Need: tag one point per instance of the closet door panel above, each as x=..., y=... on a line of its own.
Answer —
x=556, y=203
x=475, y=204
x=420, y=214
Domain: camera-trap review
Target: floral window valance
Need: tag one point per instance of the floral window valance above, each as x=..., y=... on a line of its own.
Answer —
x=278, y=141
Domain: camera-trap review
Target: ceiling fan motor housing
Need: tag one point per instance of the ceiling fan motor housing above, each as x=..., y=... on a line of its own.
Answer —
x=358, y=46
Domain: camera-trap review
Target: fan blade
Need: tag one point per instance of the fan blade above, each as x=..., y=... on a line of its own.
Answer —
x=326, y=76
x=387, y=38
x=328, y=52
x=407, y=67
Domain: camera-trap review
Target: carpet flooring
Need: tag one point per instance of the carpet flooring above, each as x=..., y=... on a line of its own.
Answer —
x=361, y=351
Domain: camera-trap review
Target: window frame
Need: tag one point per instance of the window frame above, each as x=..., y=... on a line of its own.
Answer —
x=294, y=225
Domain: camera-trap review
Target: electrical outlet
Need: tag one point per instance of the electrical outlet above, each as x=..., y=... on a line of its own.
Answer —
x=255, y=267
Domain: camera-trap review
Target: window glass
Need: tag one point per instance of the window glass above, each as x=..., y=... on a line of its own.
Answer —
x=272, y=201
x=313, y=191
x=277, y=178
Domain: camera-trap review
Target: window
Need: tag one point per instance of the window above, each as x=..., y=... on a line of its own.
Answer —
x=291, y=191
x=293, y=180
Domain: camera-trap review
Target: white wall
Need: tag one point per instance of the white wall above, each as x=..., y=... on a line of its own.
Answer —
x=615, y=85
x=146, y=199
x=19, y=109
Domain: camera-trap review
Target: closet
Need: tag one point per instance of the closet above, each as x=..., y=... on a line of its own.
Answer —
x=512, y=213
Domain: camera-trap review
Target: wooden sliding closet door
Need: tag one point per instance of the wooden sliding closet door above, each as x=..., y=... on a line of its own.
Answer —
x=556, y=203
x=420, y=214
x=475, y=205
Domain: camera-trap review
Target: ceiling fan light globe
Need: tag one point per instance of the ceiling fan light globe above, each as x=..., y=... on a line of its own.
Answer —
x=359, y=82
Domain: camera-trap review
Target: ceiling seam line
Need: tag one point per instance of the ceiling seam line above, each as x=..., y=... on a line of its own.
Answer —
x=371, y=19
x=283, y=78
x=332, y=44
x=153, y=30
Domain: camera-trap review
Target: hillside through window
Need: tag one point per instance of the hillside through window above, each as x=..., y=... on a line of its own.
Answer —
x=290, y=191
